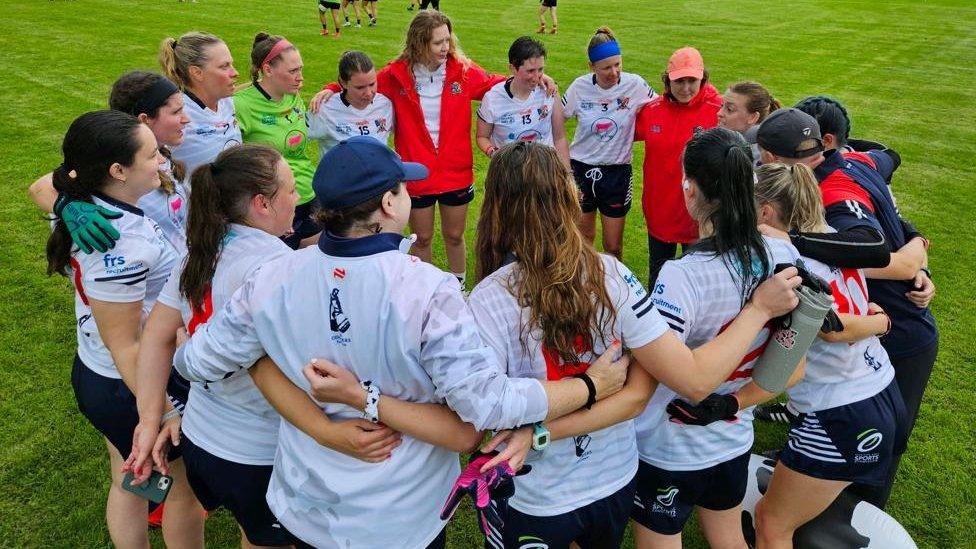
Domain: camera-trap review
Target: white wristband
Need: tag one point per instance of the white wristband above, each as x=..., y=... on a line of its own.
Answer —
x=371, y=412
x=169, y=415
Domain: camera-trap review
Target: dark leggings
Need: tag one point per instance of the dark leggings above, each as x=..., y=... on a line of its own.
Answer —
x=912, y=375
x=660, y=252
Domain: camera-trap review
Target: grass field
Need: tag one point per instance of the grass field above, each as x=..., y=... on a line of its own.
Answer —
x=904, y=69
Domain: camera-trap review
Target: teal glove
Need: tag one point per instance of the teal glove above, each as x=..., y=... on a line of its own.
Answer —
x=88, y=224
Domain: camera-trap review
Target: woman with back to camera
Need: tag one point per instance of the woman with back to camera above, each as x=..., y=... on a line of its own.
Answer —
x=744, y=106
x=690, y=103
x=272, y=112
x=111, y=160
x=547, y=304
x=605, y=103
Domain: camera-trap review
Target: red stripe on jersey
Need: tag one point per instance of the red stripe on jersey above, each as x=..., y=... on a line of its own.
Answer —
x=752, y=355
x=861, y=157
x=201, y=314
x=557, y=369
x=76, y=267
x=838, y=187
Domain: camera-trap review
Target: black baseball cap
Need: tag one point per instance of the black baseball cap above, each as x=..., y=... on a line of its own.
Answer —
x=783, y=132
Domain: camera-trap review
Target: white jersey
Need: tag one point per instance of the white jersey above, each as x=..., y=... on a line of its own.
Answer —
x=337, y=121
x=391, y=319
x=430, y=87
x=229, y=418
x=573, y=472
x=208, y=132
x=514, y=119
x=842, y=373
x=699, y=297
x=134, y=270
x=605, y=118
x=169, y=210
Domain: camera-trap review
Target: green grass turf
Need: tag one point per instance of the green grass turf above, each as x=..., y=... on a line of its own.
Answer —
x=904, y=69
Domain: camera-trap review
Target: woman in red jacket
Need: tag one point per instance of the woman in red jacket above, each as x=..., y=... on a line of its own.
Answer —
x=689, y=104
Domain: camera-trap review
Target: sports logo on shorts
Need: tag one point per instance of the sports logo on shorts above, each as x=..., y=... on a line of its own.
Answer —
x=665, y=496
x=532, y=542
x=869, y=440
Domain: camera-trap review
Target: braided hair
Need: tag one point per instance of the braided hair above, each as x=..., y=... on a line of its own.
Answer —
x=830, y=114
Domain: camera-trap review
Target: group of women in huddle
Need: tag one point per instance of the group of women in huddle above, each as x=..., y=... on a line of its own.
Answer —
x=407, y=372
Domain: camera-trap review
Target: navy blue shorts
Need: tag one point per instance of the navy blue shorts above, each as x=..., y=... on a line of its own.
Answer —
x=110, y=406
x=239, y=488
x=609, y=188
x=599, y=524
x=459, y=197
x=855, y=442
x=665, y=499
x=304, y=224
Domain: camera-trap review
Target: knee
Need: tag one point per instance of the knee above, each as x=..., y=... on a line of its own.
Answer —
x=423, y=240
x=768, y=528
x=454, y=238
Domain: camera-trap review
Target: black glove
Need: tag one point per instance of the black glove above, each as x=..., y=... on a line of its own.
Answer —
x=713, y=408
x=832, y=322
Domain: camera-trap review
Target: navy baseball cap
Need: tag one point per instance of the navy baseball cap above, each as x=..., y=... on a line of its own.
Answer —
x=783, y=132
x=358, y=169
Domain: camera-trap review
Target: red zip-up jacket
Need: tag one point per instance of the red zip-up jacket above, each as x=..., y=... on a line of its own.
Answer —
x=451, y=164
x=665, y=126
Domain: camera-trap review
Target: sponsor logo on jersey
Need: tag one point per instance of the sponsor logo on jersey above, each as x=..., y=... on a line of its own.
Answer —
x=605, y=129
x=344, y=128
x=295, y=140
x=269, y=120
x=527, y=135
x=456, y=88
x=338, y=322
x=543, y=112
x=113, y=260
x=587, y=105
x=623, y=103
x=506, y=119
x=582, y=443
x=339, y=273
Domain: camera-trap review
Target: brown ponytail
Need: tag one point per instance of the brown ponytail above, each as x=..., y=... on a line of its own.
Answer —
x=263, y=43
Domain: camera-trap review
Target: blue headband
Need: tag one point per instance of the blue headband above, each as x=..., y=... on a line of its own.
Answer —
x=604, y=50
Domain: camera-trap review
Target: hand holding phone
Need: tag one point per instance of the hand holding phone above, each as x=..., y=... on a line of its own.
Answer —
x=155, y=489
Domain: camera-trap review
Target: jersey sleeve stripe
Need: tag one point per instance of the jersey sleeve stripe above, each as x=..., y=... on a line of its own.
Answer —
x=121, y=277
x=646, y=310
x=640, y=303
x=673, y=317
x=678, y=329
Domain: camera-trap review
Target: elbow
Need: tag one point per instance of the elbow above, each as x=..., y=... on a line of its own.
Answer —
x=468, y=441
x=637, y=405
x=697, y=392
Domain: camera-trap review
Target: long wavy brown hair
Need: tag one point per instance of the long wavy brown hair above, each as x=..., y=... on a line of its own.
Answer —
x=416, y=47
x=531, y=210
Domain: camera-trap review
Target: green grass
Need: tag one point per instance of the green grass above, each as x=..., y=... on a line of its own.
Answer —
x=904, y=70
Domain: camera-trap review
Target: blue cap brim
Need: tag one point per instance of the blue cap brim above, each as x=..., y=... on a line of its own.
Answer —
x=414, y=171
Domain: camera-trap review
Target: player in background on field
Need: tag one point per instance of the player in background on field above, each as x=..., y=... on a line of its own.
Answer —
x=158, y=103
x=330, y=6
x=689, y=103
x=693, y=465
x=546, y=304
x=111, y=160
x=271, y=111
x=345, y=13
x=358, y=110
x=432, y=84
x=744, y=106
x=402, y=328
x=605, y=103
x=852, y=421
x=547, y=6
x=370, y=7
x=519, y=109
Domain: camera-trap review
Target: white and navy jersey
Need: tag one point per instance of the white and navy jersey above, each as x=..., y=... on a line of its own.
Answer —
x=841, y=373
x=391, y=319
x=514, y=119
x=229, y=418
x=169, y=210
x=208, y=132
x=134, y=270
x=699, y=297
x=605, y=118
x=573, y=472
x=430, y=86
x=337, y=121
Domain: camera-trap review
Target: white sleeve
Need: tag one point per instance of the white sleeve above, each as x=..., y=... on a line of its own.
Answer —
x=644, y=92
x=170, y=294
x=484, y=110
x=639, y=320
x=569, y=101
x=224, y=345
x=675, y=299
x=466, y=375
x=317, y=123
x=120, y=275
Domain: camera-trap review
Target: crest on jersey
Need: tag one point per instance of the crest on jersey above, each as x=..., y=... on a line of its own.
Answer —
x=623, y=103
x=456, y=88
x=380, y=124
x=543, y=112
x=605, y=129
x=338, y=273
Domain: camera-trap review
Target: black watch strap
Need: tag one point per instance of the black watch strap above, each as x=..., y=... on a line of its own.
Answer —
x=591, y=397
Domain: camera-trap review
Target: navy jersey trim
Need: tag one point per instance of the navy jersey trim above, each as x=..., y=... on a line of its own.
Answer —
x=338, y=246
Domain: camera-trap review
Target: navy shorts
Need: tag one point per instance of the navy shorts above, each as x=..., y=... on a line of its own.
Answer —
x=609, y=188
x=459, y=197
x=665, y=499
x=599, y=524
x=548, y=3
x=327, y=5
x=239, y=488
x=304, y=224
x=110, y=406
x=854, y=442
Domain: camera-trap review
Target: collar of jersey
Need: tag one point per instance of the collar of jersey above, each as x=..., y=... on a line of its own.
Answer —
x=338, y=246
x=118, y=204
x=832, y=162
x=194, y=98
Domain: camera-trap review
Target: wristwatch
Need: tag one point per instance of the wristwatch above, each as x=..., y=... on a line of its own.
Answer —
x=540, y=437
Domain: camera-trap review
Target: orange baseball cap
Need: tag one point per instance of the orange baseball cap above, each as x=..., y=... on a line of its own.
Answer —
x=686, y=62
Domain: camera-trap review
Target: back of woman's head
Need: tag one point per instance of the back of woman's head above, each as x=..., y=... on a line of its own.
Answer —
x=93, y=143
x=353, y=62
x=177, y=55
x=263, y=44
x=222, y=193
x=139, y=92
x=416, y=48
x=531, y=210
x=758, y=98
x=830, y=114
x=719, y=162
x=601, y=36
x=793, y=190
